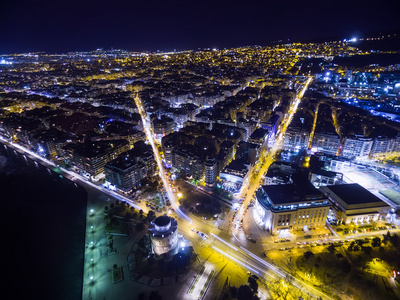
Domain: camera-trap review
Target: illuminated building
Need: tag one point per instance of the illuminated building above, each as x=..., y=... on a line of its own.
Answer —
x=164, y=234
x=384, y=145
x=233, y=175
x=357, y=146
x=211, y=171
x=187, y=161
x=328, y=142
x=290, y=207
x=129, y=168
x=259, y=136
x=354, y=204
x=91, y=157
x=163, y=126
x=247, y=152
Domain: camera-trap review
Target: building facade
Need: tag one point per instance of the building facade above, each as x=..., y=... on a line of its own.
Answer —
x=288, y=207
x=351, y=203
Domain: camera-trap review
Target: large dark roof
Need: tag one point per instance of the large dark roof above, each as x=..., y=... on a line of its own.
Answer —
x=291, y=193
x=353, y=194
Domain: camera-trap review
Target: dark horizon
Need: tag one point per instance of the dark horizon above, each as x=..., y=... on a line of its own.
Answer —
x=160, y=25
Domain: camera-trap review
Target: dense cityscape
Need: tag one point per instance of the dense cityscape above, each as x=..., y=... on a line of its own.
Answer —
x=259, y=172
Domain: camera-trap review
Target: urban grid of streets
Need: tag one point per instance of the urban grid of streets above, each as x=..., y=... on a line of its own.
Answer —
x=224, y=243
x=218, y=241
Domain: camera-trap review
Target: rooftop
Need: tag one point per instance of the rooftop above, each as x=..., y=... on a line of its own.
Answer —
x=352, y=194
x=288, y=193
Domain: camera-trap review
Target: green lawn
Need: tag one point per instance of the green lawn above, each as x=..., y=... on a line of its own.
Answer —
x=392, y=195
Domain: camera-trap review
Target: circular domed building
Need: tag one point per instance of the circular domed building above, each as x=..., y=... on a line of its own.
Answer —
x=164, y=234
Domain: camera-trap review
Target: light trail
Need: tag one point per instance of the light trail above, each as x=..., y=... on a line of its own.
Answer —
x=248, y=189
x=157, y=157
x=249, y=260
x=267, y=264
x=238, y=261
x=313, y=127
x=225, y=242
x=72, y=174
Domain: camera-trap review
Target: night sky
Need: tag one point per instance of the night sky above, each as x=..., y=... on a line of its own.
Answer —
x=61, y=26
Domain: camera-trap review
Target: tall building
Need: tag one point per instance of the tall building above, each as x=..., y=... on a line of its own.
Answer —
x=129, y=168
x=296, y=138
x=357, y=146
x=384, y=145
x=187, y=162
x=211, y=171
x=163, y=126
x=91, y=157
x=247, y=152
x=328, y=142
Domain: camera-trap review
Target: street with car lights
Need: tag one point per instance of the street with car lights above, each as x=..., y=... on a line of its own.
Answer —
x=267, y=157
x=220, y=240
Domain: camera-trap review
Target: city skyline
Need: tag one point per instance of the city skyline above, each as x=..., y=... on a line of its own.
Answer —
x=165, y=26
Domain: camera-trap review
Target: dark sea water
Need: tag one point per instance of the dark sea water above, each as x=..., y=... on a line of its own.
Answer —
x=42, y=231
x=366, y=60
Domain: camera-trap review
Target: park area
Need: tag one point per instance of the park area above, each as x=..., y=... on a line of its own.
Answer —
x=358, y=269
x=197, y=201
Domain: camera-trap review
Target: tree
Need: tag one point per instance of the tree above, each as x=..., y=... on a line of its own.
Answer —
x=360, y=242
x=139, y=226
x=141, y=296
x=154, y=295
x=253, y=284
x=367, y=250
x=376, y=242
x=233, y=291
x=386, y=237
x=331, y=249
x=395, y=240
x=151, y=215
x=245, y=293
x=351, y=246
x=307, y=255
